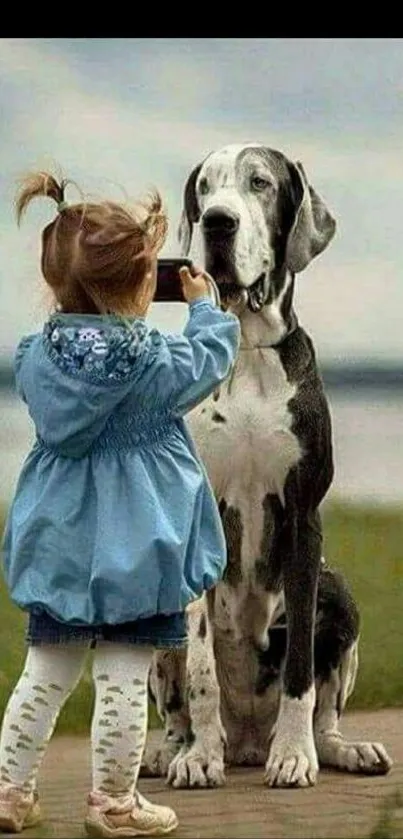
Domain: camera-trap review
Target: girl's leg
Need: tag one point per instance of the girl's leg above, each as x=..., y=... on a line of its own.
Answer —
x=119, y=723
x=118, y=736
x=49, y=676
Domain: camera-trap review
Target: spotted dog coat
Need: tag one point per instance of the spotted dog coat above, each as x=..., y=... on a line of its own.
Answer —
x=272, y=651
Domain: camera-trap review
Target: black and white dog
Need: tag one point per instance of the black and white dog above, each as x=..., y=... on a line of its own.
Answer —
x=272, y=651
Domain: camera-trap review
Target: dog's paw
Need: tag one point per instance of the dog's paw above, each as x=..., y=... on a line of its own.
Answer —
x=197, y=767
x=352, y=756
x=157, y=759
x=291, y=764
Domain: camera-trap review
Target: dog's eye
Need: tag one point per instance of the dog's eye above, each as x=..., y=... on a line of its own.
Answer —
x=259, y=183
x=203, y=186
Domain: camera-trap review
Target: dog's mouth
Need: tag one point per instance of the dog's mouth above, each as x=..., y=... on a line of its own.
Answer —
x=255, y=296
x=220, y=264
x=258, y=293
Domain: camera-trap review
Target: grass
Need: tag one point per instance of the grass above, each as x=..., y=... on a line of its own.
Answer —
x=365, y=543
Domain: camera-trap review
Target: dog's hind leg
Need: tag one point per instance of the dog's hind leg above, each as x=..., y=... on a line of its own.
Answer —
x=334, y=750
x=167, y=688
x=336, y=664
x=200, y=761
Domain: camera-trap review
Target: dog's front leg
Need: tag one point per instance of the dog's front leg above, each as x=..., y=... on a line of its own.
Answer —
x=167, y=688
x=200, y=762
x=292, y=757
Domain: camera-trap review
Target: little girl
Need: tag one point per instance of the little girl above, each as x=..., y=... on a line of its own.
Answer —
x=114, y=528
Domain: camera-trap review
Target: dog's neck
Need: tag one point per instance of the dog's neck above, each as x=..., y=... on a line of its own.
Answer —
x=271, y=325
x=265, y=328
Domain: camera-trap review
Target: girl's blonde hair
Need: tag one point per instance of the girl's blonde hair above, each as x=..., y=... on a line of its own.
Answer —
x=96, y=257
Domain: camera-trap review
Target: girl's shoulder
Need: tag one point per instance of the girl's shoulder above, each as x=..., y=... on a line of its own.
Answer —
x=24, y=344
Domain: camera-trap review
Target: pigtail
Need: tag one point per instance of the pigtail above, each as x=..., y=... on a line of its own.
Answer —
x=155, y=223
x=36, y=185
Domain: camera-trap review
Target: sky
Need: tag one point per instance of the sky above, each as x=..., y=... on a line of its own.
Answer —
x=121, y=115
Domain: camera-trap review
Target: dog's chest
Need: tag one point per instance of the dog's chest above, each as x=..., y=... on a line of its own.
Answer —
x=245, y=436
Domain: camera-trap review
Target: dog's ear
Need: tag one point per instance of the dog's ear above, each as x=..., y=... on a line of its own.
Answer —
x=190, y=212
x=313, y=228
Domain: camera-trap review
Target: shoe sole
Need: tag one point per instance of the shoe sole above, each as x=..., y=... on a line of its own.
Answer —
x=96, y=830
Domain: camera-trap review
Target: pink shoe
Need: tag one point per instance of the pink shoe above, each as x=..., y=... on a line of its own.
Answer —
x=18, y=809
x=127, y=816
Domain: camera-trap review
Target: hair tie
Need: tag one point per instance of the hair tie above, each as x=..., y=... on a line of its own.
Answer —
x=62, y=205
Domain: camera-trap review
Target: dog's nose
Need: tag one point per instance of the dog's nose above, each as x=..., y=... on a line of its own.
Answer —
x=220, y=221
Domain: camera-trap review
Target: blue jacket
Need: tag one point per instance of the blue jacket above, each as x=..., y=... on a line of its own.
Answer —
x=113, y=517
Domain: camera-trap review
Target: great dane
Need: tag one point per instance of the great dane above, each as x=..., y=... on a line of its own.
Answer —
x=272, y=654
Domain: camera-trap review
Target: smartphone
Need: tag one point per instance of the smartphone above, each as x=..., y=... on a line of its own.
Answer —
x=169, y=286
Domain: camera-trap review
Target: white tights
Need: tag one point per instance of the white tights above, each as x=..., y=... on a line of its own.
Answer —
x=119, y=721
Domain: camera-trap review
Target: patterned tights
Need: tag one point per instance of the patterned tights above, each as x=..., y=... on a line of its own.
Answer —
x=119, y=722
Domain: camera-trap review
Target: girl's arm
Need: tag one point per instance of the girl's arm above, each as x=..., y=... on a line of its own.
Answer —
x=191, y=365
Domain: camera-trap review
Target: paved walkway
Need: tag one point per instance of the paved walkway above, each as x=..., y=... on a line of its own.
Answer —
x=341, y=805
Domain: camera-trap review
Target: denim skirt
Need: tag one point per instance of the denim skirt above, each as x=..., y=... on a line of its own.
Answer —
x=159, y=631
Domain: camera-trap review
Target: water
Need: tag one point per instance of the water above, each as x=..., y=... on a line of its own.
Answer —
x=368, y=450
x=367, y=437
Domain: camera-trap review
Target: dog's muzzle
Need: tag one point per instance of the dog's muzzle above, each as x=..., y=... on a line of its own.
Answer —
x=220, y=224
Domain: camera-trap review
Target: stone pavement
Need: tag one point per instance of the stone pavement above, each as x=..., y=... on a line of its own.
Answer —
x=341, y=805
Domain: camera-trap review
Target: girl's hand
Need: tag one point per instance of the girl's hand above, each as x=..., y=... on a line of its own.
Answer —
x=194, y=286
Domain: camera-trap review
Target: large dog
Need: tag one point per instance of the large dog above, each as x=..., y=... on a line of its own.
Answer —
x=272, y=651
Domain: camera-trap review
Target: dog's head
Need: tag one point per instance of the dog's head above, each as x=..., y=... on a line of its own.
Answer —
x=260, y=220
